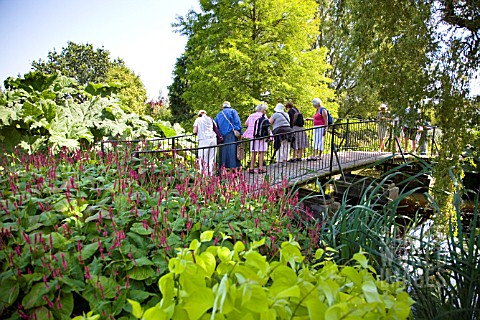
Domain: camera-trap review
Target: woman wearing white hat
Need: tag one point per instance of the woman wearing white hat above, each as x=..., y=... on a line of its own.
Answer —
x=207, y=140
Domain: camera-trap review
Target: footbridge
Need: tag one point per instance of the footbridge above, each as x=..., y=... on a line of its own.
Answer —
x=349, y=144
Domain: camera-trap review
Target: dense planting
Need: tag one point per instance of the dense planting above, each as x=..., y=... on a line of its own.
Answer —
x=84, y=233
x=41, y=110
x=79, y=233
x=239, y=283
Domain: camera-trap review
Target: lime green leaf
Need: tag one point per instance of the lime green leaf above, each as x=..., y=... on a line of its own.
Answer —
x=194, y=245
x=370, y=291
x=255, y=299
x=206, y=236
x=167, y=288
x=289, y=292
x=136, y=308
x=353, y=274
x=239, y=247
x=225, y=236
x=256, y=260
x=207, y=262
x=155, y=313
x=316, y=309
x=199, y=302
x=224, y=254
x=330, y=290
x=259, y=243
x=319, y=253
x=337, y=311
x=361, y=259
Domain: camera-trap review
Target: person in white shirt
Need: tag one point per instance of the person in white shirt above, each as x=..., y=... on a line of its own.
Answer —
x=207, y=142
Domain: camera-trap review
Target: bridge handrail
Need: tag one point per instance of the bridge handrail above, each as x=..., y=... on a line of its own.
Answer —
x=344, y=136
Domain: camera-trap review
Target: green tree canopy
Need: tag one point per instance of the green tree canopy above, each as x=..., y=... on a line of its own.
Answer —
x=132, y=92
x=380, y=52
x=251, y=51
x=79, y=61
x=181, y=112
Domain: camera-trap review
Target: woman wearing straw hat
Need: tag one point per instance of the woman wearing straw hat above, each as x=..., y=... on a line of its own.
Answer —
x=382, y=118
x=207, y=141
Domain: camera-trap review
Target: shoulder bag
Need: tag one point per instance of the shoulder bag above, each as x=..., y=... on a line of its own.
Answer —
x=217, y=133
x=235, y=132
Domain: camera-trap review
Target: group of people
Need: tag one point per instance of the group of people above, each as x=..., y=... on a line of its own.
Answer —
x=287, y=133
x=412, y=128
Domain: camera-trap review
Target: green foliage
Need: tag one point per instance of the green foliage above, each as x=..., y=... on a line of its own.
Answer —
x=79, y=61
x=252, y=51
x=40, y=111
x=379, y=52
x=181, y=111
x=440, y=266
x=132, y=92
x=444, y=271
x=81, y=233
x=218, y=282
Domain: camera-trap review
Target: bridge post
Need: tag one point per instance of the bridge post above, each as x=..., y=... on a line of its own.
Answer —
x=332, y=150
x=433, y=143
x=347, y=134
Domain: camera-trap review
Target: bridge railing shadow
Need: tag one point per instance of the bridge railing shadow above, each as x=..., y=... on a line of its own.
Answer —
x=346, y=141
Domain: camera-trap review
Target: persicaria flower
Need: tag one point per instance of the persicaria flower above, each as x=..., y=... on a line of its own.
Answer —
x=87, y=273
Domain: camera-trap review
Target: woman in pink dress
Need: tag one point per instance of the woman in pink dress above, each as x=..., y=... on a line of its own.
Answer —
x=320, y=120
x=257, y=146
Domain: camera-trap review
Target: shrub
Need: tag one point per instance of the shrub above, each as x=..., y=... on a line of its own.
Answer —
x=216, y=282
x=80, y=233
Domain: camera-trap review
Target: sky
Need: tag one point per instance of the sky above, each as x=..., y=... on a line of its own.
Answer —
x=139, y=32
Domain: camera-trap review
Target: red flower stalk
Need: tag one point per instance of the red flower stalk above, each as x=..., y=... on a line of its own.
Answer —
x=26, y=237
x=46, y=282
x=49, y=303
x=64, y=262
x=87, y=273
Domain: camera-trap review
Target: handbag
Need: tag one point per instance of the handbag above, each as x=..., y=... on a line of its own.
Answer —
x=217, y=133
x=235, y=132
x=240, y=151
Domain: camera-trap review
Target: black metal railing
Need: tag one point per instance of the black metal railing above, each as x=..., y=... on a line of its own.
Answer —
x=131, y=146
x=345, y=142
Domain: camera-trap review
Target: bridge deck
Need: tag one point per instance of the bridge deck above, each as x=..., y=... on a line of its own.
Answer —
x=306, y=171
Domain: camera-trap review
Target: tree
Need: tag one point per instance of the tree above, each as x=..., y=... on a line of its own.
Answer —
x=251, y=51
x=132, y=92
x=407, y=52
x=79, y=61
x=462, y=17
x=379, y=52
x=181, y=111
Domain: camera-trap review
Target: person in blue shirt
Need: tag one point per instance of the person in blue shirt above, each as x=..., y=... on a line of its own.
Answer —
x=228, y=123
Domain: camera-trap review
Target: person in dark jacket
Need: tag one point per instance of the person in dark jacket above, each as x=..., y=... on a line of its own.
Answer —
x=301, y=141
